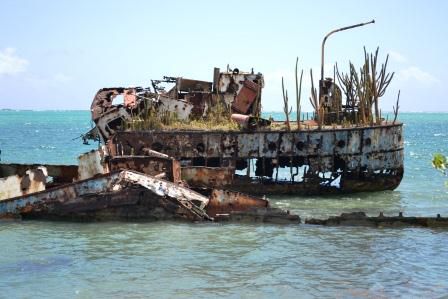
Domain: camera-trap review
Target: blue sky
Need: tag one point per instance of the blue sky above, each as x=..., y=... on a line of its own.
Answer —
x=57, y=54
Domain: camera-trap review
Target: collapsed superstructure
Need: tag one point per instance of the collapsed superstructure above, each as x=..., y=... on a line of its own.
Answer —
x=257, y=156
x=159, y=148
x=201, y=150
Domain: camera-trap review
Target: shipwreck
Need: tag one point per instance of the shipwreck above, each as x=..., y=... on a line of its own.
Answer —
x=202, y=150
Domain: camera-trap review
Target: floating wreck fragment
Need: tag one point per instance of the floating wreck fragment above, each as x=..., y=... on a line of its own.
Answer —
x=158, y=145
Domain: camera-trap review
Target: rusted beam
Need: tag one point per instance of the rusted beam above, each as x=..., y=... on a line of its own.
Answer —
x=361, y=219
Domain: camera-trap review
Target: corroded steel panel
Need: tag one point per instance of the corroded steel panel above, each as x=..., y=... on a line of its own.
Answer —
x=300, y=143
x=339, y=143
x=190, y=145
x=59, y=173
x=365, y=157
x=354, y=140
x=229, y=145
x=224, y=201
x=269, y=148
x=170, y=145
x=33, y=180
x=361, y=219
x=109, y=195
x=246, y=96
x=147, y=165
x=91, y=164
x=287, y=144
x=328, y=142
x=207, y=176
x=213, y=145
x=249, y=144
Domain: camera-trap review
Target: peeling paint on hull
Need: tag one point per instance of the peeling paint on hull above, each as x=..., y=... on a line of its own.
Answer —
x=347, y=160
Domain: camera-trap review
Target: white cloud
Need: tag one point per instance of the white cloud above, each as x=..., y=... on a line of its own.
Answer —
x=414, y=73
x=10, y=63
x=397, y=57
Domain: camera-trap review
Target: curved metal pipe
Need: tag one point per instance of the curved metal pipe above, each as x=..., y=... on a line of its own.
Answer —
x=330, y=33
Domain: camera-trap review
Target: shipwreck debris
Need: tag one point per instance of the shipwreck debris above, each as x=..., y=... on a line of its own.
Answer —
x=117, y=195
x=126, y=195
x=200, y=151
x=18, y=184
x=361, y=219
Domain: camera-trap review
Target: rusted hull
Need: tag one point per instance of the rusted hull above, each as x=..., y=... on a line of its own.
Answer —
x=361, y=219
x=31, y=181
x=61, y=174
x=130, y=204
x=343, y=160
x=130, y=195
x=315, y=187
x=118, y=195
x=224, y=201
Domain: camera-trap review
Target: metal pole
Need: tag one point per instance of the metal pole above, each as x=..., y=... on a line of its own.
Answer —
x=325, y=39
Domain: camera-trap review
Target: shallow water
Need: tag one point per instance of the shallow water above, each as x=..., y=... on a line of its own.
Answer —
x=166, y=260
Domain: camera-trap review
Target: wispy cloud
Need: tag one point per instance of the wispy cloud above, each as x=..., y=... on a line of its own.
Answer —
x=414, y=73
x=10, y=63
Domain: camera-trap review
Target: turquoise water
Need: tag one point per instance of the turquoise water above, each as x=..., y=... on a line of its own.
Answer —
x=166, y=260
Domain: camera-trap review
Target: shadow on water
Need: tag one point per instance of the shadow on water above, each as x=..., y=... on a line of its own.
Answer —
x=38, y=265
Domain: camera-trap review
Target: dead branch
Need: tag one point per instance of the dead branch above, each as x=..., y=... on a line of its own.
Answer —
x=396, y=107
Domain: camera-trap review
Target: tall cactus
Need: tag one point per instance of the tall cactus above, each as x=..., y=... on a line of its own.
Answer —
x=298, y=93
x=286, y=108
x=363, y=89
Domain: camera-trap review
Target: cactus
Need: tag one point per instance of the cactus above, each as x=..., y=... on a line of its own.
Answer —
x=298, y=93
x=363, y=89
x=286, y=108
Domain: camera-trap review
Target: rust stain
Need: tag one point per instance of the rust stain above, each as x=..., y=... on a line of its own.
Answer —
x=361, y=219
x=207, y=176
x=225, y=201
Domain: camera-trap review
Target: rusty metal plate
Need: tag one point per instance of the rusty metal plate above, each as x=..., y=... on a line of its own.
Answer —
x=213, y=145
x=287, y=144
x=33, y=180
x=229, y=145
x=300, y=143
x=249, y=145
x=270, y=145
x=339, y=143
x=198, y=176
x=224, y=202
x=147, y=165
x=354, y=138
x=246, y=97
